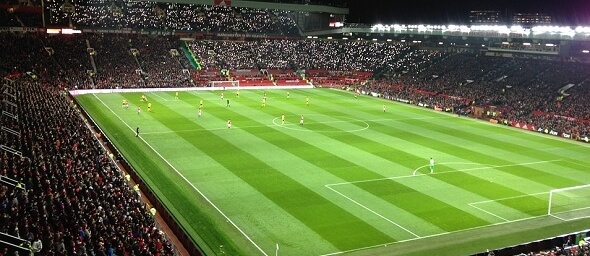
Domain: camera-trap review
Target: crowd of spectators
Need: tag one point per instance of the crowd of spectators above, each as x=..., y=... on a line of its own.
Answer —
x=335, y=3
x=159, y=61
x=73, y=192
x=72, y=199
x=524, y=90
x=96, y=60
x=72, y=57
x=338, y=55
x=521, y=90
x=174, y=16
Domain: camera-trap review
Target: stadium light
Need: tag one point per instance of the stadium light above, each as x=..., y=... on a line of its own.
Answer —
x=403, y=40
x=519, y=30
x=505, y=43
x=495, y=28
x=585, y=51
x=526, y=44
x=440, y=43
x=549, y=45
x=466, y=44
x=389, y=40
x=315, y=37
x=567, y=31
x=345, y=38
x=309, y=37
x=397, y=27
x=69, y=31
x=464, y=29
x=329, y=37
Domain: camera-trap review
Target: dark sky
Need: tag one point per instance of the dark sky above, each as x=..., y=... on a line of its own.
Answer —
x=567, y=12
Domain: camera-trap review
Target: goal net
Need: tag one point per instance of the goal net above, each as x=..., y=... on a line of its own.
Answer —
x=570, y=203
x=227, y=84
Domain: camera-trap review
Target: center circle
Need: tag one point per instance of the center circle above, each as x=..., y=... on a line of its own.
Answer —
x=296, y=127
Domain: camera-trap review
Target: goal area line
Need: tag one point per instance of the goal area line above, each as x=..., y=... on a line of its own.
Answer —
x=572, y=212
x=502, y=220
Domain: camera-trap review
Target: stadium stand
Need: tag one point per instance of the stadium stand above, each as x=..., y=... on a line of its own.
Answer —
x=173, y=16
x=447, y=81
x=336, y=3
x=550, y=94
x=69, y=197
x=522, y=90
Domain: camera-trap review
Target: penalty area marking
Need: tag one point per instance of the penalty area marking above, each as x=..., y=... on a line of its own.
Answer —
x=417, y=237
x=187, y=181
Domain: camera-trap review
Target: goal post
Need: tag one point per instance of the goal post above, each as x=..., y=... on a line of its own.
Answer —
x=228, y=84
x=570, y=203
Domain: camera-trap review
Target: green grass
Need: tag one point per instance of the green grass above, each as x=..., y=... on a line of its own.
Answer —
x=343, y=181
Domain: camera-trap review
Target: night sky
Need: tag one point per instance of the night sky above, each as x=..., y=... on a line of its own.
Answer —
x=564, y=12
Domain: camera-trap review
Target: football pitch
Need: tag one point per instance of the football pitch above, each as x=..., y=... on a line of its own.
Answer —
x=352, y=179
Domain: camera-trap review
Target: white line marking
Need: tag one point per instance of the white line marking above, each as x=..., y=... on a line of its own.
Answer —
x=320, y=131
x=164, y=99
x=187, y=181
x=437, y=173
x=573, y=210
x=557, y=217
x=488, y=212
x=275, y=124
x=367, y=208
x=434, y=235
x=505, y=221
x=465, y=163
x=585, y=166
x=508, y=198
x=210, y=129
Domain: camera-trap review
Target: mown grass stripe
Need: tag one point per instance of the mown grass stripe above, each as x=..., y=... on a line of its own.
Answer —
x=172, y=190
x=344, y=169
x=319, y=214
